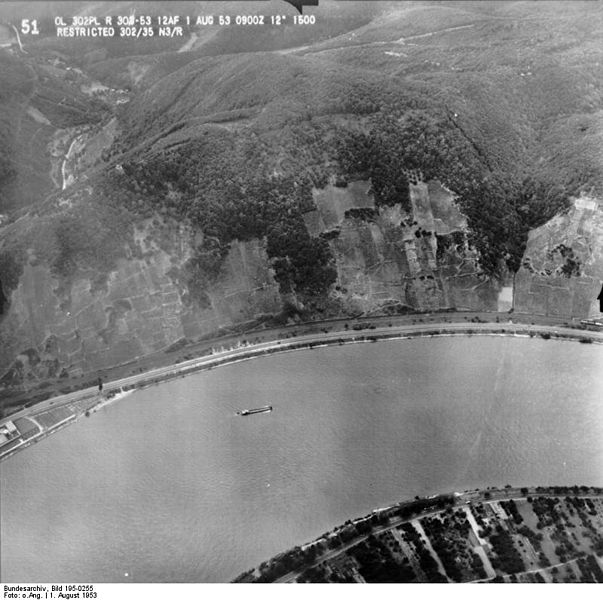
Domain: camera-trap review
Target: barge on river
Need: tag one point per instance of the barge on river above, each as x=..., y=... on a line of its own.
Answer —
x=254, y=411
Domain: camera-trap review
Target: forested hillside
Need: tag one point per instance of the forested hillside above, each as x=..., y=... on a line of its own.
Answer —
x=394, y=157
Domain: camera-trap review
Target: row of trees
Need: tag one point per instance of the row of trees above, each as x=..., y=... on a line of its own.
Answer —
x=427, y=562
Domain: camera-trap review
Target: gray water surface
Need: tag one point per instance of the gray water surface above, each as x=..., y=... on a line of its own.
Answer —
x=170, y=485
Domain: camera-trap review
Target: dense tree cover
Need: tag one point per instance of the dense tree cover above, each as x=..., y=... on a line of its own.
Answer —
x=398, y=133
x=477, y=566
x=234, y=200
x=500, y=209
x=591, y=570
x=445, y=242
x=508, y=558
x=545, y=509
x=407, y=509
x=254, y=182
x=376, y=564
x=301, y=262
x=444, y=547
x=511, y=507
x=376, y=157
x=427, y=562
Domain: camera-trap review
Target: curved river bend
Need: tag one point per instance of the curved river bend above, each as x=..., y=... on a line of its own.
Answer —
x=171, y=485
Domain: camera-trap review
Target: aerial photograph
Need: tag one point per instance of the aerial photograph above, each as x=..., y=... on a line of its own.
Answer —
x=300, y=291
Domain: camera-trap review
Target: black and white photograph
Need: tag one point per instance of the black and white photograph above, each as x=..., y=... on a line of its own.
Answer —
x=300, y=291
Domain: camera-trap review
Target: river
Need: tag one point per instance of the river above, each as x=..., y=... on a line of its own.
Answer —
x=170, y=485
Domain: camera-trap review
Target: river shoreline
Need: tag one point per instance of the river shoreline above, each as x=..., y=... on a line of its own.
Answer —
x=377, y=336
x=367, y=333
x=252, y=351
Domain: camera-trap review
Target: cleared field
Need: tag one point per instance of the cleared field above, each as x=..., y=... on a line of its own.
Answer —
x=50, y=418
x=25, y=425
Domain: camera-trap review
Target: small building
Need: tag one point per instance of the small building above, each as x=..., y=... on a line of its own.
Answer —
x=8, y=432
